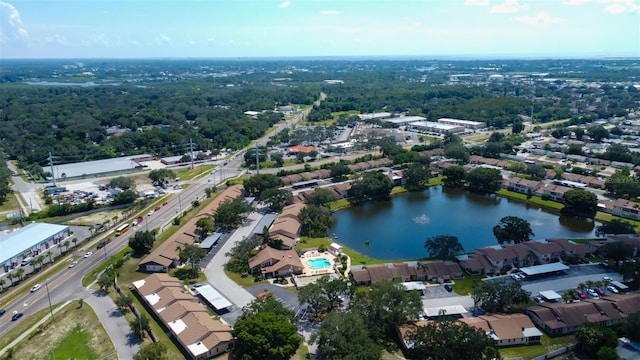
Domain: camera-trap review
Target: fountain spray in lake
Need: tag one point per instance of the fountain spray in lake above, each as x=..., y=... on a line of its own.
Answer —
x=422, y=219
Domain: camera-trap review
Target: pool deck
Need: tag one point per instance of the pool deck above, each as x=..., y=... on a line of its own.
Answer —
x=314, y=254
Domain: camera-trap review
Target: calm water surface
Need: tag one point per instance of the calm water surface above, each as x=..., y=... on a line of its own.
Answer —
x=397, y=229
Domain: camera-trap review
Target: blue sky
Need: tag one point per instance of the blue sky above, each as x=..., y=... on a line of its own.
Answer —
x=281, y=28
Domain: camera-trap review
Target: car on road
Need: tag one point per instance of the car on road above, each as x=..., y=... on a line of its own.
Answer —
x=102, y=244
x=2, y=312
x=135, y=222
x=16, y=315
x=73, y=263
x=36, y=287
x=158, y=208
x=581, y=294
x=88, y=254
x=612, y=289
x=150, y=213
x=448, y=287
x=606, y=278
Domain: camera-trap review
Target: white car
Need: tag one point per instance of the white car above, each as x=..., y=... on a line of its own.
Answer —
x=73, y=263
x=612, y=289
x=88, y=254
x=516, y=277
x=592, y=293
x=150, y=213
x=606, y=278
x=36, y=287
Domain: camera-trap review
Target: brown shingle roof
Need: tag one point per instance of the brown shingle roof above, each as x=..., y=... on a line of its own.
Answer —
x=155, y=282
x=269, y=253
x=543, y=247
x=361, y=275
x=508, y=326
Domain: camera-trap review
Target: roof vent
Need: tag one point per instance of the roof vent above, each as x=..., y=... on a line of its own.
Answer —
x=559, y=319
x=198, y=343
x=601, y=312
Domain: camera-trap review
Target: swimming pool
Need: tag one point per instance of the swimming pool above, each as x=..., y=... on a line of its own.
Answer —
x=319, y=263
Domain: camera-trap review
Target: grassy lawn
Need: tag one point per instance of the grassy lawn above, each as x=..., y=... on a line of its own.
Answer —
x=356, y=257
x=93, y=275
x=10, y=204
x=302, y=353
x=531, y=351
x=534, y=200
x=435, y=181
x=23, y=326
x=187, y=173
x=74, y=332
x=463, y=286
x=398, y=190
x=604, y=217
x=339, y=204
x=335, y=114
x=243, y=281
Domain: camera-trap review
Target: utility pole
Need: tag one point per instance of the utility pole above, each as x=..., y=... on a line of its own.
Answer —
x=257, y=159
x=191, y=152
x=53, y=176
x=46, y=283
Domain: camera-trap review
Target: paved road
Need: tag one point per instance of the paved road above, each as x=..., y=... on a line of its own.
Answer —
x=29, y=191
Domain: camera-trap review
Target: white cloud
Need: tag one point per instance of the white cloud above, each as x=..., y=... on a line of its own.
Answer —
x=576, y=2
x=476, y=2
x=163, y=39
x=12, y=31
x=330, y=12
x=620, y=6
x=540, y=18
x=507, y=7
x=285, y=4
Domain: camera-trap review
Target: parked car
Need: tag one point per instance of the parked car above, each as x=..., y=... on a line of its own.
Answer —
x=102, y=244
x=16, y=315
x=606, y=278
x=448, y=287
x=88, y=254
x=73, y=263
x=538, y=299
x=576, y=296
x=516, y=277
x=599, y=291
x=592, y=293
x=36, y=287
x=581, y=294
x=612, y=289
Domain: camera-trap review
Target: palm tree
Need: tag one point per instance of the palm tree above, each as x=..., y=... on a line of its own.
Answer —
x=50, y=254
x=589, y=284
x=2, y=283
x=75, y=242
x=20, y=273
x=66, y=245
x=582, y=286
x=38, y=261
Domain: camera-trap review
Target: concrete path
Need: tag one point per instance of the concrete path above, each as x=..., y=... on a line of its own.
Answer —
x=215, y=269
x=114, y=322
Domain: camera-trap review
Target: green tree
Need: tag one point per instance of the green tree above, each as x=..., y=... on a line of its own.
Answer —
x=256, y=184
x=123, y=302
x=417, y=177
x=579, y=132
x=266, y=304
x=615, y=227
x=125, y=197
x=240, y=254
x=616, y=251
x=142, y=241
x=597, y=133
x=498, y=296
x=105, y=281
x=316, y=220
x=325, y=294
x=139, y=325
x=441, y=339
x=451, y=138
x=580, y=203
x=161, y=175
x=512, y=229
x=517, y=127
x=371, y=186
x=456, y=151
x=320, y=196
x=631, y=327
x=443, y=247
x=250, y=156
x=231, y=213
x=346, y=336
x=278, y=158
x=536, y=171
x=454, y=176
x=340, y=172
x=484, y=180
x=37, y=262
x=191, y=254
x=276, y=199
x=607, y=353
x=387, y=305
x=623, y=185
x=206, y=225
x=592, y=337
x=153, y=351
x=122, y=182
x=265, y=335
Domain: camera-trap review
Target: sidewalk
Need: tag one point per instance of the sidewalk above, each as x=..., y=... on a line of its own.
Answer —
x=32, y=329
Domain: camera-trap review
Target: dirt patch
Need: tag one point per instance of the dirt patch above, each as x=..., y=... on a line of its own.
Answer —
x=97, y=218
x=40, y=344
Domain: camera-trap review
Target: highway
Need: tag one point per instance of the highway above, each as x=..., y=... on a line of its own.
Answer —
x=67, y=283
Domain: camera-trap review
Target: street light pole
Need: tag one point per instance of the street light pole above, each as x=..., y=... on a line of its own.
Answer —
x=46, y=283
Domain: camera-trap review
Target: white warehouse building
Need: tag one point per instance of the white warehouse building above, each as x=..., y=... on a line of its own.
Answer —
x=467, y=124
x=435, y=127
x=405, y=120
x=28, y=242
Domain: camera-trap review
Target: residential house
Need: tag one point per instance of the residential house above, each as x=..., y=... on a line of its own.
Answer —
x=507, y=330
x=476, y=264
x=505, y=257
x=287, y=226
x=571, y=248
x=408, y=271
x=626, y=209
x=564, y=318
x=545, y=251
x=182, y=316
x=520, y=185
x=554, y=192
x=273, y=262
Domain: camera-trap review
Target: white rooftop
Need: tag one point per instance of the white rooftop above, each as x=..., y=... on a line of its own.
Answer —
x=413, y=285
x=213, y=297
x=17, y=242
x=449, y=310
x=177, y=326
x=550, y=295
x=543, y=269
x=405, y=119
x=435, y=125
x=527, y=332
x=95, y=167
x=459, y=121
x=152, y=299
x=374, y=115
x=197, y=348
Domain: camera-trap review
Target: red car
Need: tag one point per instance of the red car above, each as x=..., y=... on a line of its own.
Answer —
x=581, y=294
x=158, y=208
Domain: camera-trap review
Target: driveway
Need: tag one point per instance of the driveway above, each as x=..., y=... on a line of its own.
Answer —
x=437, y=292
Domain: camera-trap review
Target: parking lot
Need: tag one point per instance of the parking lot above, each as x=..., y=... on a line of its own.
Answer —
x=437, y=292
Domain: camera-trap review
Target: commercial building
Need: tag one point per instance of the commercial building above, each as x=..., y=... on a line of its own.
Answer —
x=467, y=124
x=404, y=120
x=379, y=116
x=28, y=242
x=434, y=127
x=97, y=168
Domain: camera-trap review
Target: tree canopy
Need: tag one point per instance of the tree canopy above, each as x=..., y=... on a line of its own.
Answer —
x=513, y=229
x=230, y=213
x=122, y=182
x=346, y=336
x=498, y=296
x=580, y=203
x=417, y=176
x=316, y=220
x=276, y=199
x=371, y=186
x=142, y=241
x=265, y=335
x=256, y=184
x=443, y=247
x=454, y=176
x=320, y=196
x=615, y=227
x=325, y=294
x=161, y=175
x=484, y=180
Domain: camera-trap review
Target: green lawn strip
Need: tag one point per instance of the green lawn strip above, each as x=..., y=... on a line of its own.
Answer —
x=346, y=113
x=531, y=351
x=398, y=190
x=25, y=286
x=188, y=173
x=534, y=200
x=243, y=281
x=604, y=217
x=10, y=203
x=25, y=324
x=465, y=285
x=339, y=204
x=75, y=345
x=93, y=275
x=172, y=351
x=435, y=181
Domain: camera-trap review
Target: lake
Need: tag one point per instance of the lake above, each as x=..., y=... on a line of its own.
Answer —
x=397, y=229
